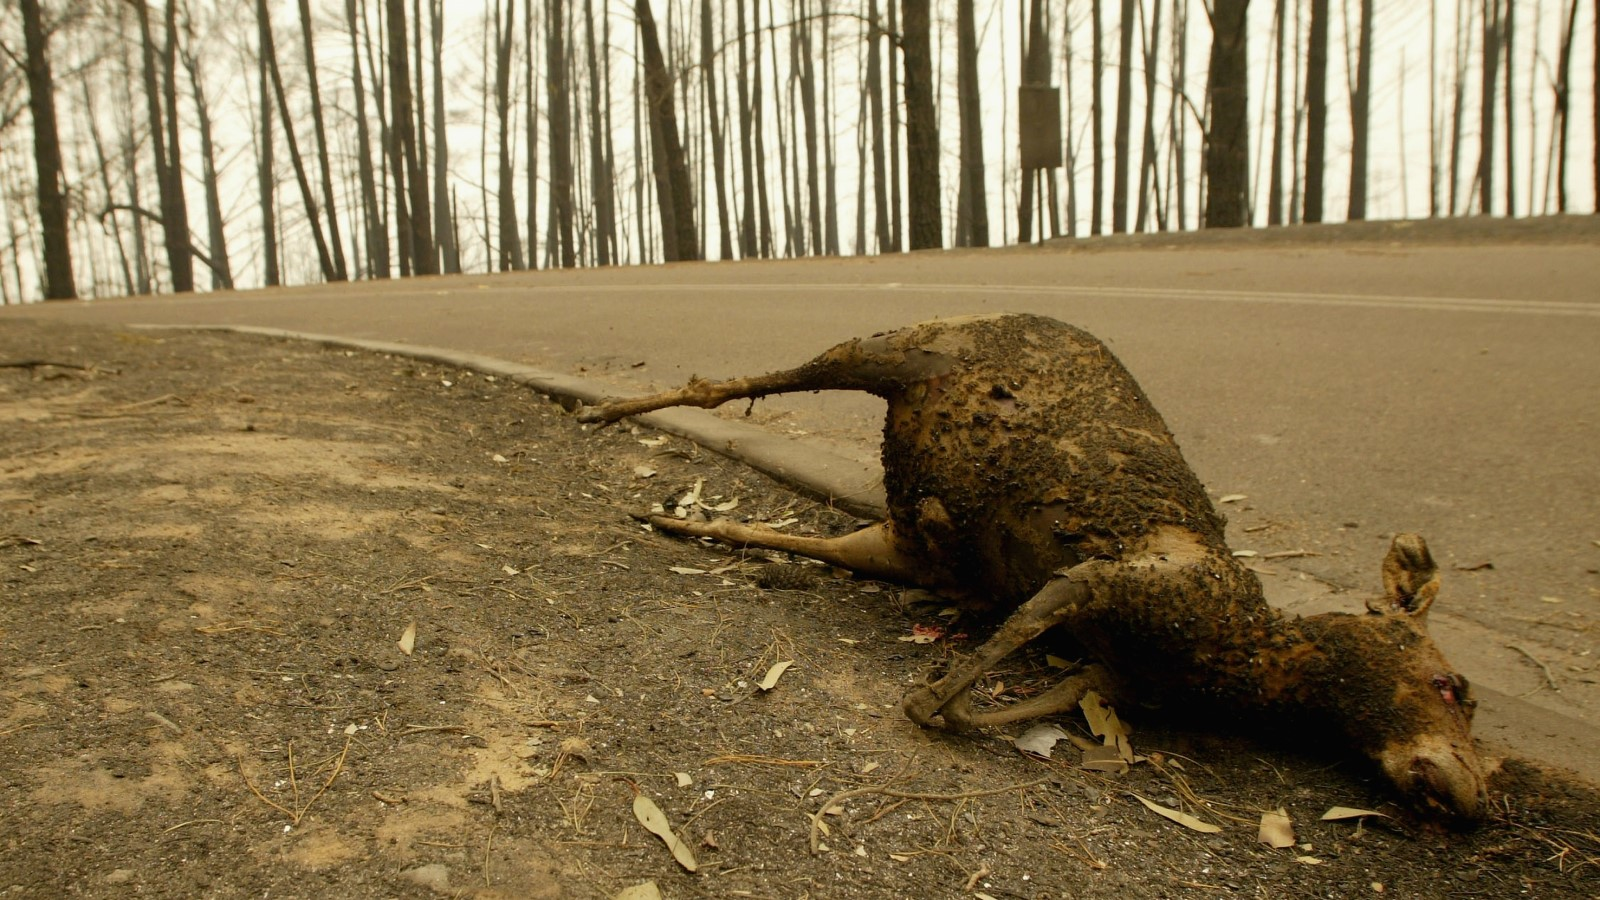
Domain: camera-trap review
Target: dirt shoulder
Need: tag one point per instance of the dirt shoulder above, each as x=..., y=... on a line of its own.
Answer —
x=213, y=547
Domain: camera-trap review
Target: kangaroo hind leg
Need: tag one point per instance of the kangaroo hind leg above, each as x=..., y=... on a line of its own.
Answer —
x=873, y=551
x=881, y=365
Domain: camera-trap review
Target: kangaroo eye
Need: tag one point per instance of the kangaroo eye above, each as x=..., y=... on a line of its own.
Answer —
x=1453, y=690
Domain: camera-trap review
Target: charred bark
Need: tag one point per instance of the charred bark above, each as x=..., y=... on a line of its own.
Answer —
x=1228, y=144
x=922, y=128
x=266, y=178
x=377, y=238
x=1316, y=109
x=1119, y=177
x=1360, y=102
x=313, y=218
x=325, y=163
x=674, y=197
x=443, y=226
x=708, y=65
x=169, y=180
x=874, y=88
x=560, y=115
x=972, y=216
x=510, y=241
x=602, y=186
x=1097, y=126
x=411, y=187
x=58, y=279
x=221, y=269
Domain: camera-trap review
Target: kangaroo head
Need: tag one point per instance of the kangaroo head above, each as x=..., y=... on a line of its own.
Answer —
x=1396, y=696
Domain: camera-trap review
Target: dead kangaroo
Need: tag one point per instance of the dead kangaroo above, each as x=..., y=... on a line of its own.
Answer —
x=1024, y=466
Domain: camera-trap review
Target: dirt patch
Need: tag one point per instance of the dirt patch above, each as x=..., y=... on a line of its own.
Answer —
x=212, y=546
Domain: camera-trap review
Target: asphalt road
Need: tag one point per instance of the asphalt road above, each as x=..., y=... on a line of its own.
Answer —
x=1351, y=383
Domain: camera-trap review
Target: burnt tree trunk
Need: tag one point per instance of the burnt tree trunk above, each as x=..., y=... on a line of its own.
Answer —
x=531, y=137
x=1097, y=126
x=601, y=179
x=330, y=207
x=377, y=238
x=169, y=180
x=1119, y=177
x=1562, y=103
x=719, y=161
x=808, y=111
x=58, y=281
x=1316, y=108
x=747, y=223
x=830, y=181
x=896, y=214
x=510, y=240
x=443, y=226
x=1360, y=103
x=1491, y=80
x=972, y=216
x=313, y=218
x=922, y=128
x=1275, y=169
x=221, y=269
x=560, y=116
x=1147, y=157
x=1507, y=33
x=874, y=89
x=1228, y=144
x=674, y=196
x=757, y=113
x=411, y=187
x=266, y=178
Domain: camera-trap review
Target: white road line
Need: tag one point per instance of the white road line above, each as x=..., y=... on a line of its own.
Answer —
x=1380, y=301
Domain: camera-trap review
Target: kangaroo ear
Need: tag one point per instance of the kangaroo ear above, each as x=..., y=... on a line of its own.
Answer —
x=1410, y=579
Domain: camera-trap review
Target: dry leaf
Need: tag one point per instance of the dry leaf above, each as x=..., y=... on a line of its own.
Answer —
x=770, y=681
x=1308, y=860
x=1104, y=724
x=655, y=821
x=728, y=506
x=1345, y=812
x=1245, y=553
x=644, y=472
x=653, y=442
x=645, y=891
x=408, y=640
x=686, y=570
x=684, y=779
x=1104, y=759
x=1094, y=711
x=1040, y=740
x=1056, y=662
x=1276, y=830
x=1182, y=818
x=1232, y=498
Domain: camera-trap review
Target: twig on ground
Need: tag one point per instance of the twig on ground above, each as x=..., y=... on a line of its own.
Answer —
x=885, y=790
x=1549, y=678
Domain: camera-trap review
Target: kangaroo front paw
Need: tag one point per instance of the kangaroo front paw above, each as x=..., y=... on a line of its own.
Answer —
x=927, y=708
x=921, y=705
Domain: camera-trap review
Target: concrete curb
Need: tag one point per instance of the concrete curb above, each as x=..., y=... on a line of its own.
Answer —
x=1508, y=725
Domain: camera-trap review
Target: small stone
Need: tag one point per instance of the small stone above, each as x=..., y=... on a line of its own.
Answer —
x=119, y=876
x=434, y=877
